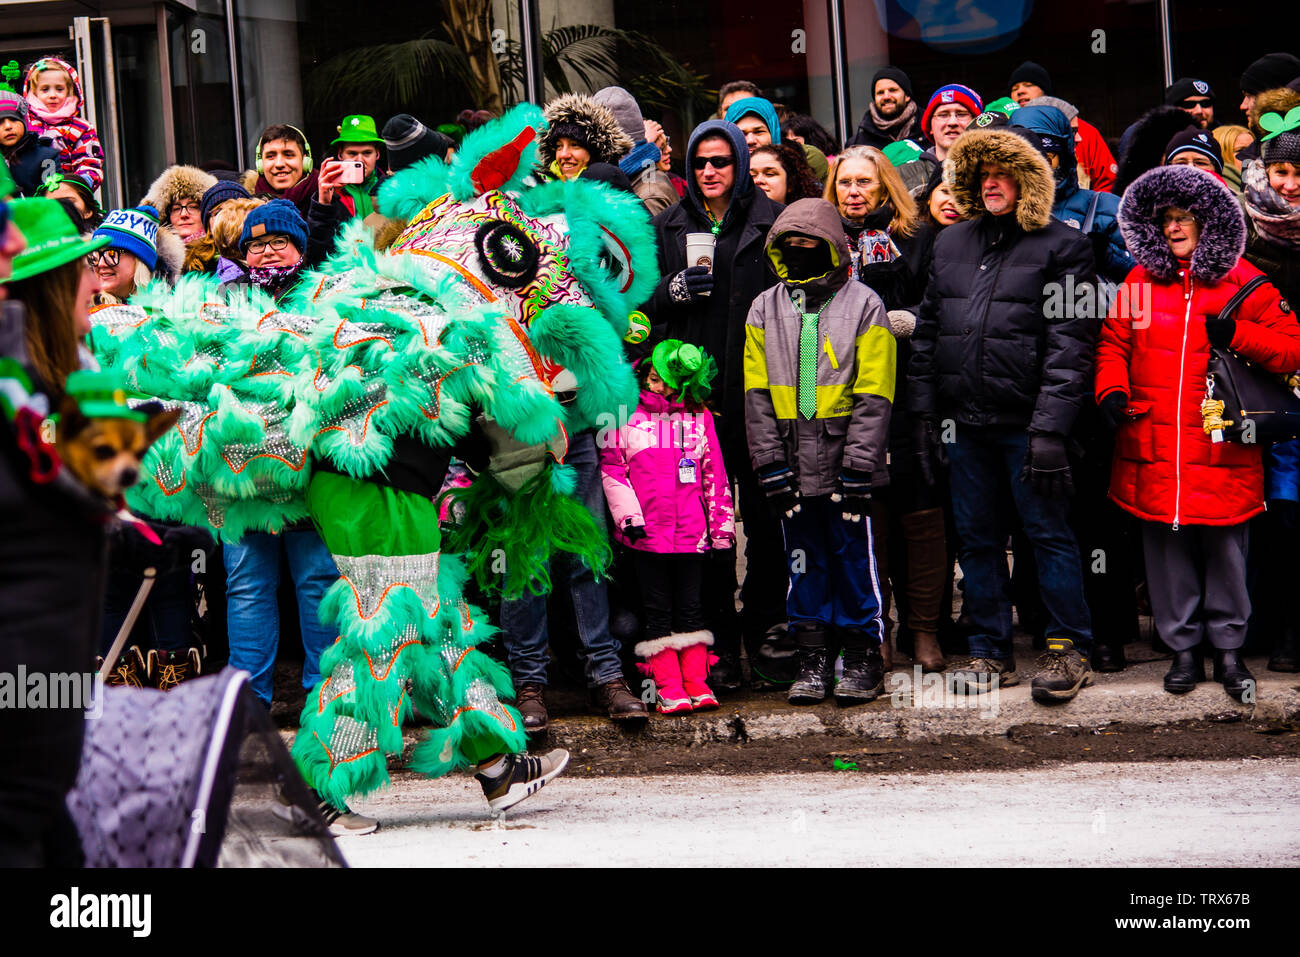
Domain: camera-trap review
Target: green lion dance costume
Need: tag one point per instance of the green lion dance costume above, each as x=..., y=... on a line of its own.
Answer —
x=320, y=406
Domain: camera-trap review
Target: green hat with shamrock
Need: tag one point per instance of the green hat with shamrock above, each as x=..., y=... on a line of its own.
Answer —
x=358, y=129
x=52, y=239
x=686, y=369
x=1282, y=144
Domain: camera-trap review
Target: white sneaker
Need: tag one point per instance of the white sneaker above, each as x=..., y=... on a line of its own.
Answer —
x=523, y=775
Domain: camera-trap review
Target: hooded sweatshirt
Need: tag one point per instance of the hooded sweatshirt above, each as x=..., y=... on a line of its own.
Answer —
x=840, y=327
x=74, y=138
x=1072, y=203
x=716, y=323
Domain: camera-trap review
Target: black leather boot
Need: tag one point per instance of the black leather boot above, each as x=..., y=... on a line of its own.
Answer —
x=1187, y=670
x=815, y=676
x=1232, y=673
x=1108, y=658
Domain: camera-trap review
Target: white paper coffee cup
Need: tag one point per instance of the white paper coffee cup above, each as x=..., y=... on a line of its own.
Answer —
x=699, y=250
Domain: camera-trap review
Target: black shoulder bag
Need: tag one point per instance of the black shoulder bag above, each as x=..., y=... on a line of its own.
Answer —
x=1259, y=407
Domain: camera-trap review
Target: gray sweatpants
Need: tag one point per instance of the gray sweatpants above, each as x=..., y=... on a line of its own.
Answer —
x=1196, y=577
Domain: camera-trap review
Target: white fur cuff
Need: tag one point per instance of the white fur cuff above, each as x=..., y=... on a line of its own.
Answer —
x=902, y=323
x=677, y=641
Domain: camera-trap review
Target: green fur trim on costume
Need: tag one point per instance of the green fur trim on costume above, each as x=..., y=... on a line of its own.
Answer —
x=508, y=539
x=582, y=341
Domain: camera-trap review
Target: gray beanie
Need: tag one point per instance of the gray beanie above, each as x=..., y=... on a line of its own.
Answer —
x=624, y=107
x=1069, y=109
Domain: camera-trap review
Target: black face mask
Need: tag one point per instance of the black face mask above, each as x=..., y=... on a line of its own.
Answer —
x=803, y=263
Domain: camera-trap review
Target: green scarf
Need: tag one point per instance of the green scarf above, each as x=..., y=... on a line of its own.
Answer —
x=361, y=195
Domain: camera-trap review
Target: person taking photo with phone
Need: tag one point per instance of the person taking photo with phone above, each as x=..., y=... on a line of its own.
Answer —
x=348, y=183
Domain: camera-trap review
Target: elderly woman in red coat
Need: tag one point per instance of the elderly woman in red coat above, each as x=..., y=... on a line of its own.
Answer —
x=1187, y=233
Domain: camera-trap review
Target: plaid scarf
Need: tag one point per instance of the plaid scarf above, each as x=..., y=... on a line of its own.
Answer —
x=1275, y=219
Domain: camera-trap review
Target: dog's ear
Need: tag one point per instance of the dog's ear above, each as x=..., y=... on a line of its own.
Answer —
x=71, y=421
x=159, y=423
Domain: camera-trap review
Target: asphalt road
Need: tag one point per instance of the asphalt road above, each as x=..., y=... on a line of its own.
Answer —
x=1190, y=813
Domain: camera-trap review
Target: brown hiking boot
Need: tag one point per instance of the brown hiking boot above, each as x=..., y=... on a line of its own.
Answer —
x=167, y=669
x=926, y=651
x=532, y=707
x=614, y=698
x=129, y=671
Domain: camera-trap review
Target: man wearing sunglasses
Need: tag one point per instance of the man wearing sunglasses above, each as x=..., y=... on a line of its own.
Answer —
x=707, y=306
x=1196, y=98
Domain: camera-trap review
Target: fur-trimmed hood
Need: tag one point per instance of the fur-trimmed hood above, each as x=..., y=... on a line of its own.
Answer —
x=171, y=255
x=1146, y=147
x=178, y=182
x=1027, y=165
x=1280, y=101
x=1217, y=212
x=605, y=139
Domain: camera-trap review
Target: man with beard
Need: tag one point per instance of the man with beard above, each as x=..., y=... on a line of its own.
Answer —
x=892, y=115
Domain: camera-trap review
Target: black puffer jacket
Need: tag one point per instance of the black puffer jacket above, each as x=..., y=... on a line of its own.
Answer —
x=985, y=352
x=717, y=325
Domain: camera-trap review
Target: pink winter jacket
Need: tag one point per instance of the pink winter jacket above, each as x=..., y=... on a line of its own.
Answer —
x=640, y=469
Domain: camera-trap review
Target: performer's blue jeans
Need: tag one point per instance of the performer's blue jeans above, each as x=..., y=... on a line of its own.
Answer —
x=523, y=620
x=252, y=615
x=984, y=462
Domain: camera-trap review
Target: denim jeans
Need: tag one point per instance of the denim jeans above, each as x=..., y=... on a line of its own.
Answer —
x=523, y=620
x=252, y=615
x=984, y=461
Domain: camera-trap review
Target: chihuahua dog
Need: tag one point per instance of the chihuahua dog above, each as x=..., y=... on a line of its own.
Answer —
x=105, y=453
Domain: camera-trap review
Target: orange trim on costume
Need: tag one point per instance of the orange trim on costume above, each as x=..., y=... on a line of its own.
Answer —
x=459, y=711
x=472, y=279
x=165, y=490
x=365, y=424
x=334, y=764
x=339, y=345
x=392, y=661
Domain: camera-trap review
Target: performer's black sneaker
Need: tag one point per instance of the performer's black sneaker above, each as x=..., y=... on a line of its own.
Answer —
x=519, y=776
x=341, y=823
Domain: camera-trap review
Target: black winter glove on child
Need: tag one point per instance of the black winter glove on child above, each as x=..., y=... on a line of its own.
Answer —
x=777, y=483
x=853, y=494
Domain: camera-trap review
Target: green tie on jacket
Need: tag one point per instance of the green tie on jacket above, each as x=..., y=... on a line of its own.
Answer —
x=808, y=365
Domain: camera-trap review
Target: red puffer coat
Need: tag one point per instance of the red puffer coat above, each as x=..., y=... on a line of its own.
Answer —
x=1166, y=469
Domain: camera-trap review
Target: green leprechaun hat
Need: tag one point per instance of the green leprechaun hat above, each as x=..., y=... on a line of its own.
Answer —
x=686, y=369
x=52, y=239
x=103, y=395
x=358, y=128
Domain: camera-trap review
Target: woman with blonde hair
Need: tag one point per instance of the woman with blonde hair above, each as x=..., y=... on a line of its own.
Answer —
x=891, y=248
x=1232, y=140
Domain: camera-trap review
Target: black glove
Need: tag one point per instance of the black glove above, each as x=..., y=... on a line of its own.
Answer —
x=777, y=483
x=1113, y=409
x=690, y=284
x=853, y=493
x=1047, y=467
x=633, y=533
x=1284, y=512
x=1221, y=332
x=927, y=450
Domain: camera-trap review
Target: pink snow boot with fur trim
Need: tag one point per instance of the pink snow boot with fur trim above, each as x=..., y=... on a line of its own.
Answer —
x=664, y=669
x=695, y=661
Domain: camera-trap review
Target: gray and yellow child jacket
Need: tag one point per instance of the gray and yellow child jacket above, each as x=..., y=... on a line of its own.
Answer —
x=855, y=356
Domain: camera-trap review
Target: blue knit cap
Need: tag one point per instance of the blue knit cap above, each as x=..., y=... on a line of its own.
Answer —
x=278, y=217
x=761, y=108
x=217, y=194
x=132, y=230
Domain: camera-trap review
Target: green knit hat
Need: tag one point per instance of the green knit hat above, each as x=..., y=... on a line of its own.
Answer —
x=686, y=369
x=1004, y=105
x=103, y=395
x=358, y=129
x=52, y=239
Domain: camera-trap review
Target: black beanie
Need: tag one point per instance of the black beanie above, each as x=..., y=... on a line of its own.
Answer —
x=409, y=141
x=895, y=74
x=569, y=131
x=607, y=173
x=218, y=194
x=1269, y=72
x=1031, y=72
x=1185, y=87
x=1195, y=140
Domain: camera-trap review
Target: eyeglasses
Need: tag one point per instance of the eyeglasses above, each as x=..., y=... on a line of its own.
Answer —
x=185, y=208
x=1182, y=219
x=262, y=245
x=862, y=183
x=1192, y=104
x=109, y=257
x=717, y=162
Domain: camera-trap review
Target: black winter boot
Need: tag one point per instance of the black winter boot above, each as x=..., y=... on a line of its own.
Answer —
x=863, y=678
x=814, y=679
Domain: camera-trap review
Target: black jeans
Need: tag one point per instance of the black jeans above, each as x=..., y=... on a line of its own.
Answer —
x=670, y=591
